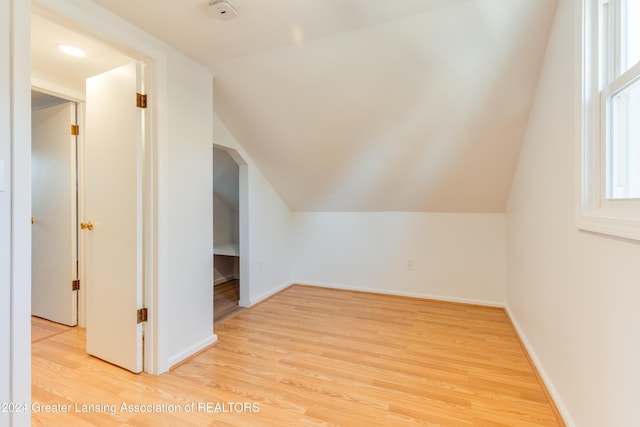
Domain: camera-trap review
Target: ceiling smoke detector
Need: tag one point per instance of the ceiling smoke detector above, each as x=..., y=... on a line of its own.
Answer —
x=223, y=9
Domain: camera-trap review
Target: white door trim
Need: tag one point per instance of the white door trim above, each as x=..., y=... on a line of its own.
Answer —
x=243, y=223
x=15, y=208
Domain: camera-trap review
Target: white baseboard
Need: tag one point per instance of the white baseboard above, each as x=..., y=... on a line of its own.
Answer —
x=254, y=301
x=403, y=294
x=190, y=351
x=564, y=412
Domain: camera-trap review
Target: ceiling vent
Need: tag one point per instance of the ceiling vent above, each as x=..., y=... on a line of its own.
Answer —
x=223, y=9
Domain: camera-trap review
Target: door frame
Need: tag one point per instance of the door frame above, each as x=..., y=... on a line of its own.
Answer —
x=77, y=97
x=243, y=222
x=151, y=79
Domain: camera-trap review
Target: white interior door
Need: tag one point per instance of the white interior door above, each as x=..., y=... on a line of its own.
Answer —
x=54, y=243
x=112, y=199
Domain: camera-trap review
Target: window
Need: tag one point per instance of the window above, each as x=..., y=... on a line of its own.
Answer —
x=620, y=96
x=610, y=102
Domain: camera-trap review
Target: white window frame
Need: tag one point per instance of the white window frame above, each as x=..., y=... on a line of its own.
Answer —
x=596, y=213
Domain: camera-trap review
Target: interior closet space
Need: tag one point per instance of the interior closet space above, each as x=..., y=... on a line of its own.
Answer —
x=226, y=251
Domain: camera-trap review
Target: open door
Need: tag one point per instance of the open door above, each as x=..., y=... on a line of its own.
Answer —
x=112, y=219
x=54, y=214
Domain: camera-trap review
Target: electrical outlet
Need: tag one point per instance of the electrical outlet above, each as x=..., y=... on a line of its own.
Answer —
x=411, y=264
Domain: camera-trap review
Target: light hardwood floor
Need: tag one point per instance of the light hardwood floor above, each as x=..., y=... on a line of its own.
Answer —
x=312, y=356
x=42, y=329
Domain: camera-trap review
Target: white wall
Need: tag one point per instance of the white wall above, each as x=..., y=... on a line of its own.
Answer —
x=15, y=211
x=188, y=193
x=271, y=239
x=265, y=228
x=458, y=257
x=225, y=268
x=574, y=295
x=225, y=233
x=225, y=222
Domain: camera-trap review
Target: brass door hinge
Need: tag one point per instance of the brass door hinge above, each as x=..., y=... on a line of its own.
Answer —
x=141, y=100
x=75, y=285
x=75, y=130
x=142, y=315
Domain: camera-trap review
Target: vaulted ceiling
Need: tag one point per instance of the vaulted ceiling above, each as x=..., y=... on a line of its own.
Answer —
x=369, y=105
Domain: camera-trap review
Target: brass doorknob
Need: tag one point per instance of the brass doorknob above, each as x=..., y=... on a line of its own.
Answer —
x=86, y=225
x=33, y=220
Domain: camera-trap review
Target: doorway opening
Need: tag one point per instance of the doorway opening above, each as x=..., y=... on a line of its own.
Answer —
x=226, y=236
x=230, y=237
x=112, y=196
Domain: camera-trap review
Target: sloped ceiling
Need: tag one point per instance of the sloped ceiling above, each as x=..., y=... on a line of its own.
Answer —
x=369, y=105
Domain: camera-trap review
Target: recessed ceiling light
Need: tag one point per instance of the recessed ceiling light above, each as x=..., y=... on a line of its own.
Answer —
x=71, y=50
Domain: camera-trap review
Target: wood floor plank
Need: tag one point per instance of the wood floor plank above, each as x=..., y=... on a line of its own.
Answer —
x=314, y=357
x=42, y=328
x=225, y=300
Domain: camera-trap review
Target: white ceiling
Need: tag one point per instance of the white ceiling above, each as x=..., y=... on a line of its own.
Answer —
x=352, y=105
x=55, y=68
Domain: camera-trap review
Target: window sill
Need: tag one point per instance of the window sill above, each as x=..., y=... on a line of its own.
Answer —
x=626, y=228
